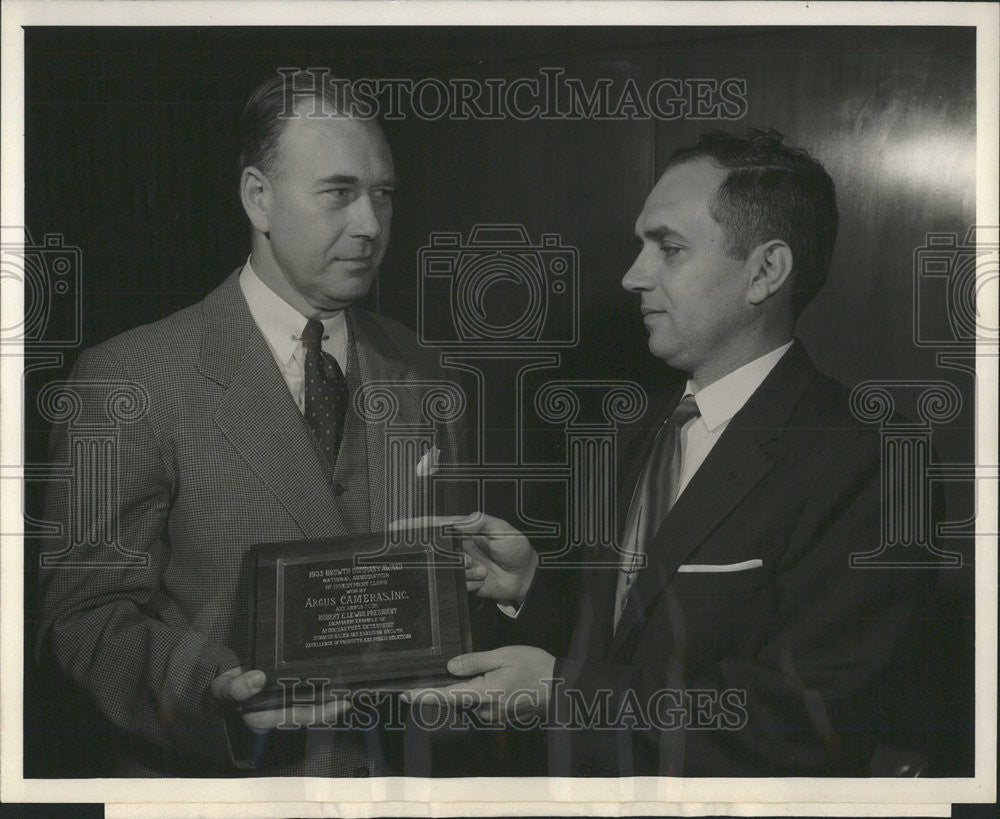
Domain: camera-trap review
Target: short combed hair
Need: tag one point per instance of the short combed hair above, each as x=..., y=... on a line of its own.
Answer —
x=268, y=111
x=772, y=192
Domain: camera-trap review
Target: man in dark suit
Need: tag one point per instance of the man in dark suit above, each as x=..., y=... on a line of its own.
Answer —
x=730, y=636
x=247, y=433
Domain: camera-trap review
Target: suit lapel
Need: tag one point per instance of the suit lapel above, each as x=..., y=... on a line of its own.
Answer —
x=731, y=470
x=737, y=462
x=379, y=360
x=258, y=415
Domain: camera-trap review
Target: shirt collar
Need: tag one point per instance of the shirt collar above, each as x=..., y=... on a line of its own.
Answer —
x=722, y=399
x=280, y=323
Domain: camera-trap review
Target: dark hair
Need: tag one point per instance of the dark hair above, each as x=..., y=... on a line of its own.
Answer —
x=772, y=192
x=274, y=102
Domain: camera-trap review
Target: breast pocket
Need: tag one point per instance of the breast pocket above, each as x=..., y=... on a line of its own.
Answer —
x=712, y=614
x=721, y=580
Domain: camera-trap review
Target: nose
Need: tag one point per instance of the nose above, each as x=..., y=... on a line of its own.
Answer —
x=635, y=279
x=365, y=223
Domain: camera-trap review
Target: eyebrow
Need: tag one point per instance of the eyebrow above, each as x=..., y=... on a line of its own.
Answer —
x=346, y=179
x=661, y=232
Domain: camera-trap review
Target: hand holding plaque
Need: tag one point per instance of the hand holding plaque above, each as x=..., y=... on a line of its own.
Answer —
x=242, y=689
x=349, y=613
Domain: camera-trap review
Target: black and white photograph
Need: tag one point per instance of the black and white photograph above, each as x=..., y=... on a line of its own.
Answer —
x=500, y=408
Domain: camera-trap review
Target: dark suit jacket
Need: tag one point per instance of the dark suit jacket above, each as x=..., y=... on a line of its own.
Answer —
x=775, y=670
x=222, y=459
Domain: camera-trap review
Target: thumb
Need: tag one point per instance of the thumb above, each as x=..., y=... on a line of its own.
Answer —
x=237, y=685
x=479, y=662
x=425, y=522
x=220, y=685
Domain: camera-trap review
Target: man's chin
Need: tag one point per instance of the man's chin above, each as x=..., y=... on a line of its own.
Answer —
x=345, y=296
x=660, y=349
x=335, y=305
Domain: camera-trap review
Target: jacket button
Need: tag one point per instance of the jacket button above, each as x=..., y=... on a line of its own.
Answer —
x=339, y=489
x=362, y=770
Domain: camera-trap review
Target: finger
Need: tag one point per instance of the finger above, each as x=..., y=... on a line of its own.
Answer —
x=299, y=716
x=325, y=713
x=483, y=546
x=473, y=585
x=263, y=720
x=220, y=685
x=490, y=715
x=333, y=709
x=247, y=685
x=478, y=550
x=444, y=696
x=425, y=696
x=240, y=686
x=487, y=525
x=476, y=572
x=478, y=522
x=425, y=522
x=478, y=662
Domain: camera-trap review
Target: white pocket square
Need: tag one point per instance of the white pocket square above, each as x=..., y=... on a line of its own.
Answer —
x=428, y=464
x=722, y=567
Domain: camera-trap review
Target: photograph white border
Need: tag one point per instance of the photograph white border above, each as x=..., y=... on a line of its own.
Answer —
x=413, y=796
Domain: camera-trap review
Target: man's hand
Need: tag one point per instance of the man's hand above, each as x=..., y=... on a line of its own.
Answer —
x=500, y=563
x=236, y=686
x=509, y=683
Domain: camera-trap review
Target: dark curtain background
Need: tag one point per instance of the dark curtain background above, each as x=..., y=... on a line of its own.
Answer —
x=131, y=150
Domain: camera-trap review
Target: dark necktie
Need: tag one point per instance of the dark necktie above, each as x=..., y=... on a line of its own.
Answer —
x=654, y=496
x=326, y=392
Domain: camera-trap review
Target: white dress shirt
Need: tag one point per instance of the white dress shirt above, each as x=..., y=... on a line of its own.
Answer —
x=718, y=403
x=283, y=325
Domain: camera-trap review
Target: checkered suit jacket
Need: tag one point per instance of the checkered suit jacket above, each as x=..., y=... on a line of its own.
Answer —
x=221, y=459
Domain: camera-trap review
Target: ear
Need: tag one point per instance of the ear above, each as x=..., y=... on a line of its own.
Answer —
x=770, y=269
x=255, y=193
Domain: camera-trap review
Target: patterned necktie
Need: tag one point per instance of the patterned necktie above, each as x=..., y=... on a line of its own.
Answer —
x=654, y=496
x=326, y=392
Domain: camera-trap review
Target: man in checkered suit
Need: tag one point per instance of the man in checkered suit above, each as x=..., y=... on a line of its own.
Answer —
x=223, y=458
